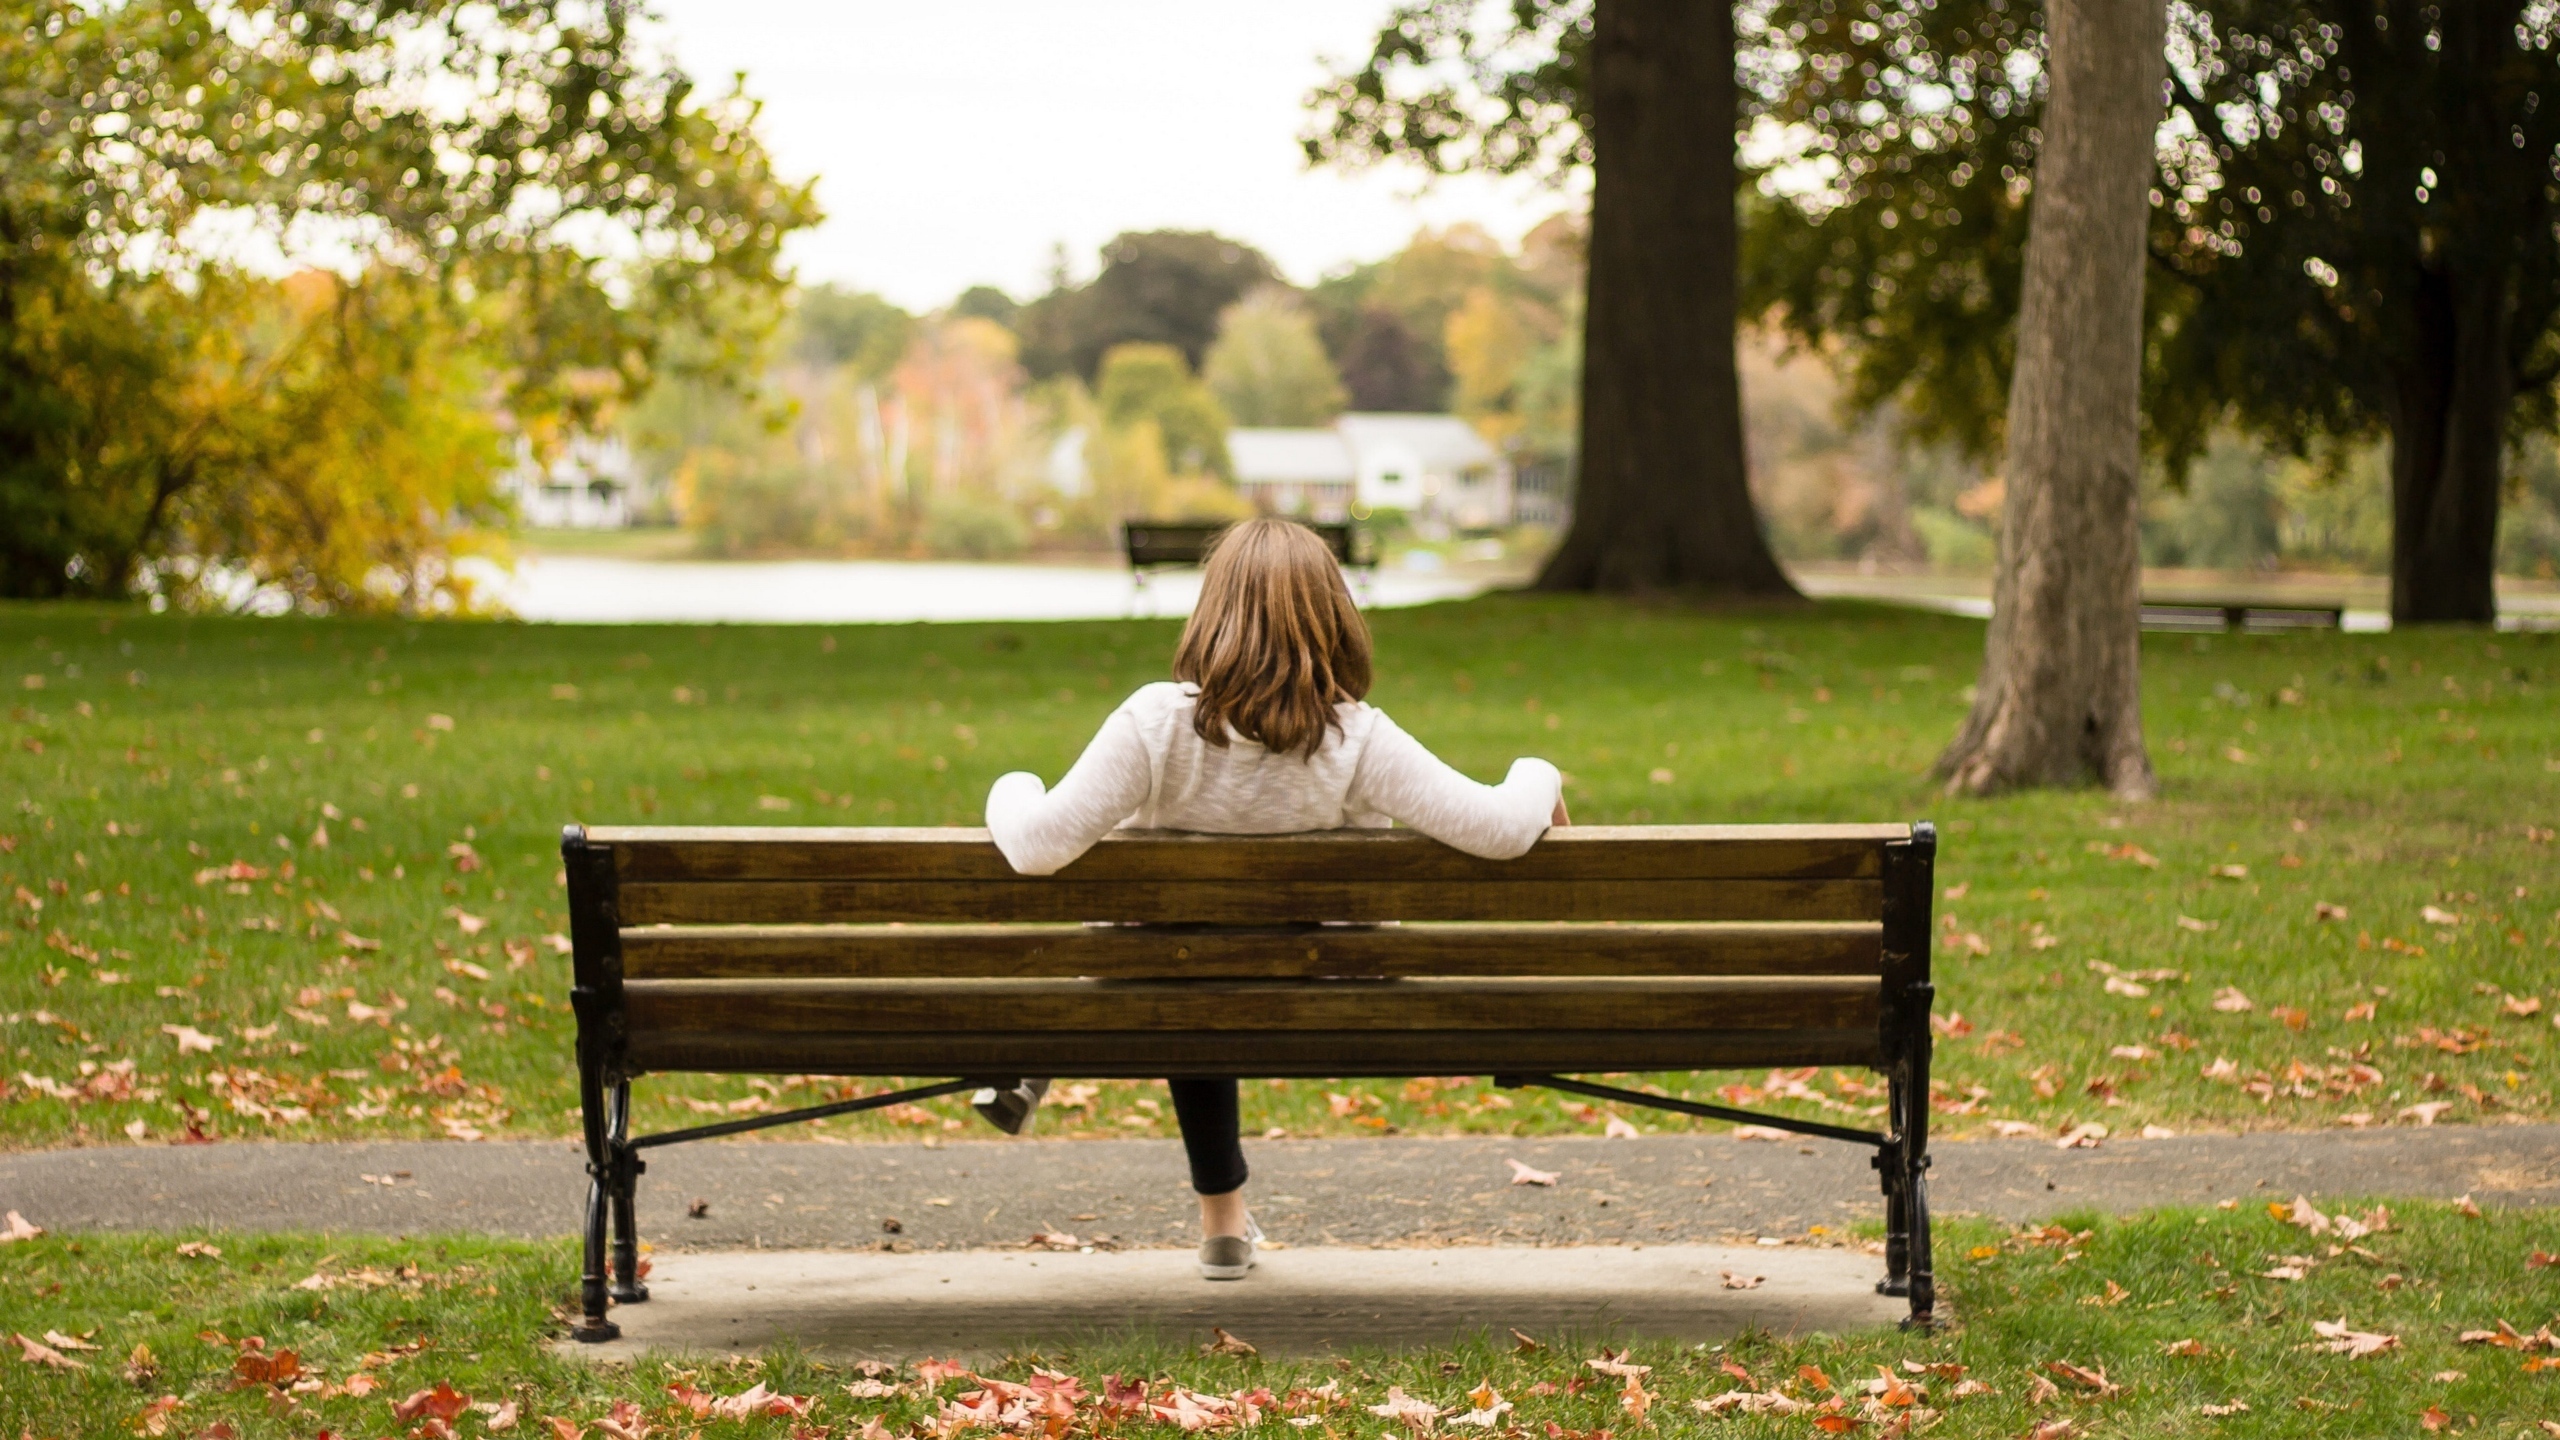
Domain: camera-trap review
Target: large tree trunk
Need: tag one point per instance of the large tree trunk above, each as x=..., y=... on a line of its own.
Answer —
x=1663, y=501
x=2059, y=702
x=2448, y=427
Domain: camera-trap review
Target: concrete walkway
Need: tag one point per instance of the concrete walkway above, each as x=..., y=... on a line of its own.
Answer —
x=1399, y=1191
x=1297, y=1302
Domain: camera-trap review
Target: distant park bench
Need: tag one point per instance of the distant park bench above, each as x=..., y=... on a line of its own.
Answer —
x=1161, y=545
x=911, y=952
x=2253, y=616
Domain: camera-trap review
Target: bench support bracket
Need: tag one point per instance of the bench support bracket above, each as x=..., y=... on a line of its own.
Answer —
x=1696, y=1107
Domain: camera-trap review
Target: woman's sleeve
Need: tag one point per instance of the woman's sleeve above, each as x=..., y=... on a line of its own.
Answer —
x=1041, y=831
x=1408, y=784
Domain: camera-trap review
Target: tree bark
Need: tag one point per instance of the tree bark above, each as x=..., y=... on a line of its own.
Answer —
x=2448, y=429
x=2059, y=700
x=1663, y=500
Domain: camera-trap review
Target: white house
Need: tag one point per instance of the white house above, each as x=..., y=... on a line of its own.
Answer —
x=1435, y=468
x=587, y=486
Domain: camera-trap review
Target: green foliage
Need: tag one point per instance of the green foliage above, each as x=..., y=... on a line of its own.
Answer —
x=831, y=325
x=973, y=527
x=986, y=302
x=1157, y=287
x=1150, y=384
x=1268, y=366
x=1443, y=88
x=2348, y=185
x=493, y=171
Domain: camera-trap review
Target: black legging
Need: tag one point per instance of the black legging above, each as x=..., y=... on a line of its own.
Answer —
x=1207, y=1110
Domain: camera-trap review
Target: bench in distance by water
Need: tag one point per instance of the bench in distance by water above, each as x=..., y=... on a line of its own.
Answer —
x=904, y=952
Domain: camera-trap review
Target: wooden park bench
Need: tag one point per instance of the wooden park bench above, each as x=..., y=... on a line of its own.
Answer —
x=919, y=952
x=2247, y=616
x=1154, y=545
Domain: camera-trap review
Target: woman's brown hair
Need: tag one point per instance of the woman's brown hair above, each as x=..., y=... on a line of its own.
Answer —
x=1276, y=642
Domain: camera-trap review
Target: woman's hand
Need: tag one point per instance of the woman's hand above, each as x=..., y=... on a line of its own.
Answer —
x=1559, y=818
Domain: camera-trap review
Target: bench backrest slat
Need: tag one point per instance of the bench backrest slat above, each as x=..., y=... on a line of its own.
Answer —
x=1591, y=852
x=892, y=951
x=1243, y=902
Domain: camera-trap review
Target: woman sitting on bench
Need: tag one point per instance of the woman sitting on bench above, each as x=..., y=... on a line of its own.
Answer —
x=1262, y=731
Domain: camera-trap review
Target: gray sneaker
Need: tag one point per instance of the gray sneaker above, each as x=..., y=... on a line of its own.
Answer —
x=1228, y=1257
x=1011, y=1108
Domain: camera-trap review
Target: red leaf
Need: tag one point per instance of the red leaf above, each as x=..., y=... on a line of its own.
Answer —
x=442, y=1403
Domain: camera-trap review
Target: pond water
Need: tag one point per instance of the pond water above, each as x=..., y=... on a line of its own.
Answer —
x=592, y=590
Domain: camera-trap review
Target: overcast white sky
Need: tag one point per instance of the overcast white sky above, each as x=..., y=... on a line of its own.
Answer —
x=957, y=141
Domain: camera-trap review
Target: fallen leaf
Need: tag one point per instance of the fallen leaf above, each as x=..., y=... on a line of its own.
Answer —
x=154, y=1419
x=2338, y=1338
x=2230, y=1001
x=1618, y=1129
x=1742, y=1282
x=1414, y=1412
x=18, y=1228
x=2426, y=1111
x=199, y=1250
x=2082, y=1137
x=2434, y=915
x=2464, y=1206
x=2323, y=910
x=1528, y=1175
x=2189, y=1348
x=1226, y=1344
x=2236, y=1407
x=36, y=1352
x=443, y=1402
x=1524, y=1344
x=2191, y=923
x=190, y=1039
x=2093, y=1380
x=2433, y=1418
x=2522, y=1006
x=2054, y=1430
x=2230, y=872
x=1748, y=1402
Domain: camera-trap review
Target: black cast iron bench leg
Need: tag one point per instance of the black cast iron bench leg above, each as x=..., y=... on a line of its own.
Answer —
x=625, y=1188
x=592, y=1326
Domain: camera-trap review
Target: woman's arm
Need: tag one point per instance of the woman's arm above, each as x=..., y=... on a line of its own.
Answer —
x=1041, y=832
x=1404, y=781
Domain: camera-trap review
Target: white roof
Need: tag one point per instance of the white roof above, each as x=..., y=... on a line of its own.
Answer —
x=1440, y=442
x=1304, y=457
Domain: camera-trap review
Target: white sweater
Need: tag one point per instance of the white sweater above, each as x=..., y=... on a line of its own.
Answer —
x=1149, y=770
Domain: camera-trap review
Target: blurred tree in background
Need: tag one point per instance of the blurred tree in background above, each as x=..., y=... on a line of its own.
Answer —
x=1159, y=287
x=524, y=204
x=1268, y=366
x=1152, y=385
x=1641, y=96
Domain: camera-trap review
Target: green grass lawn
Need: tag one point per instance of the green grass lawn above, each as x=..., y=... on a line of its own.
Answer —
x=286, y=878
x=2165, y=1315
